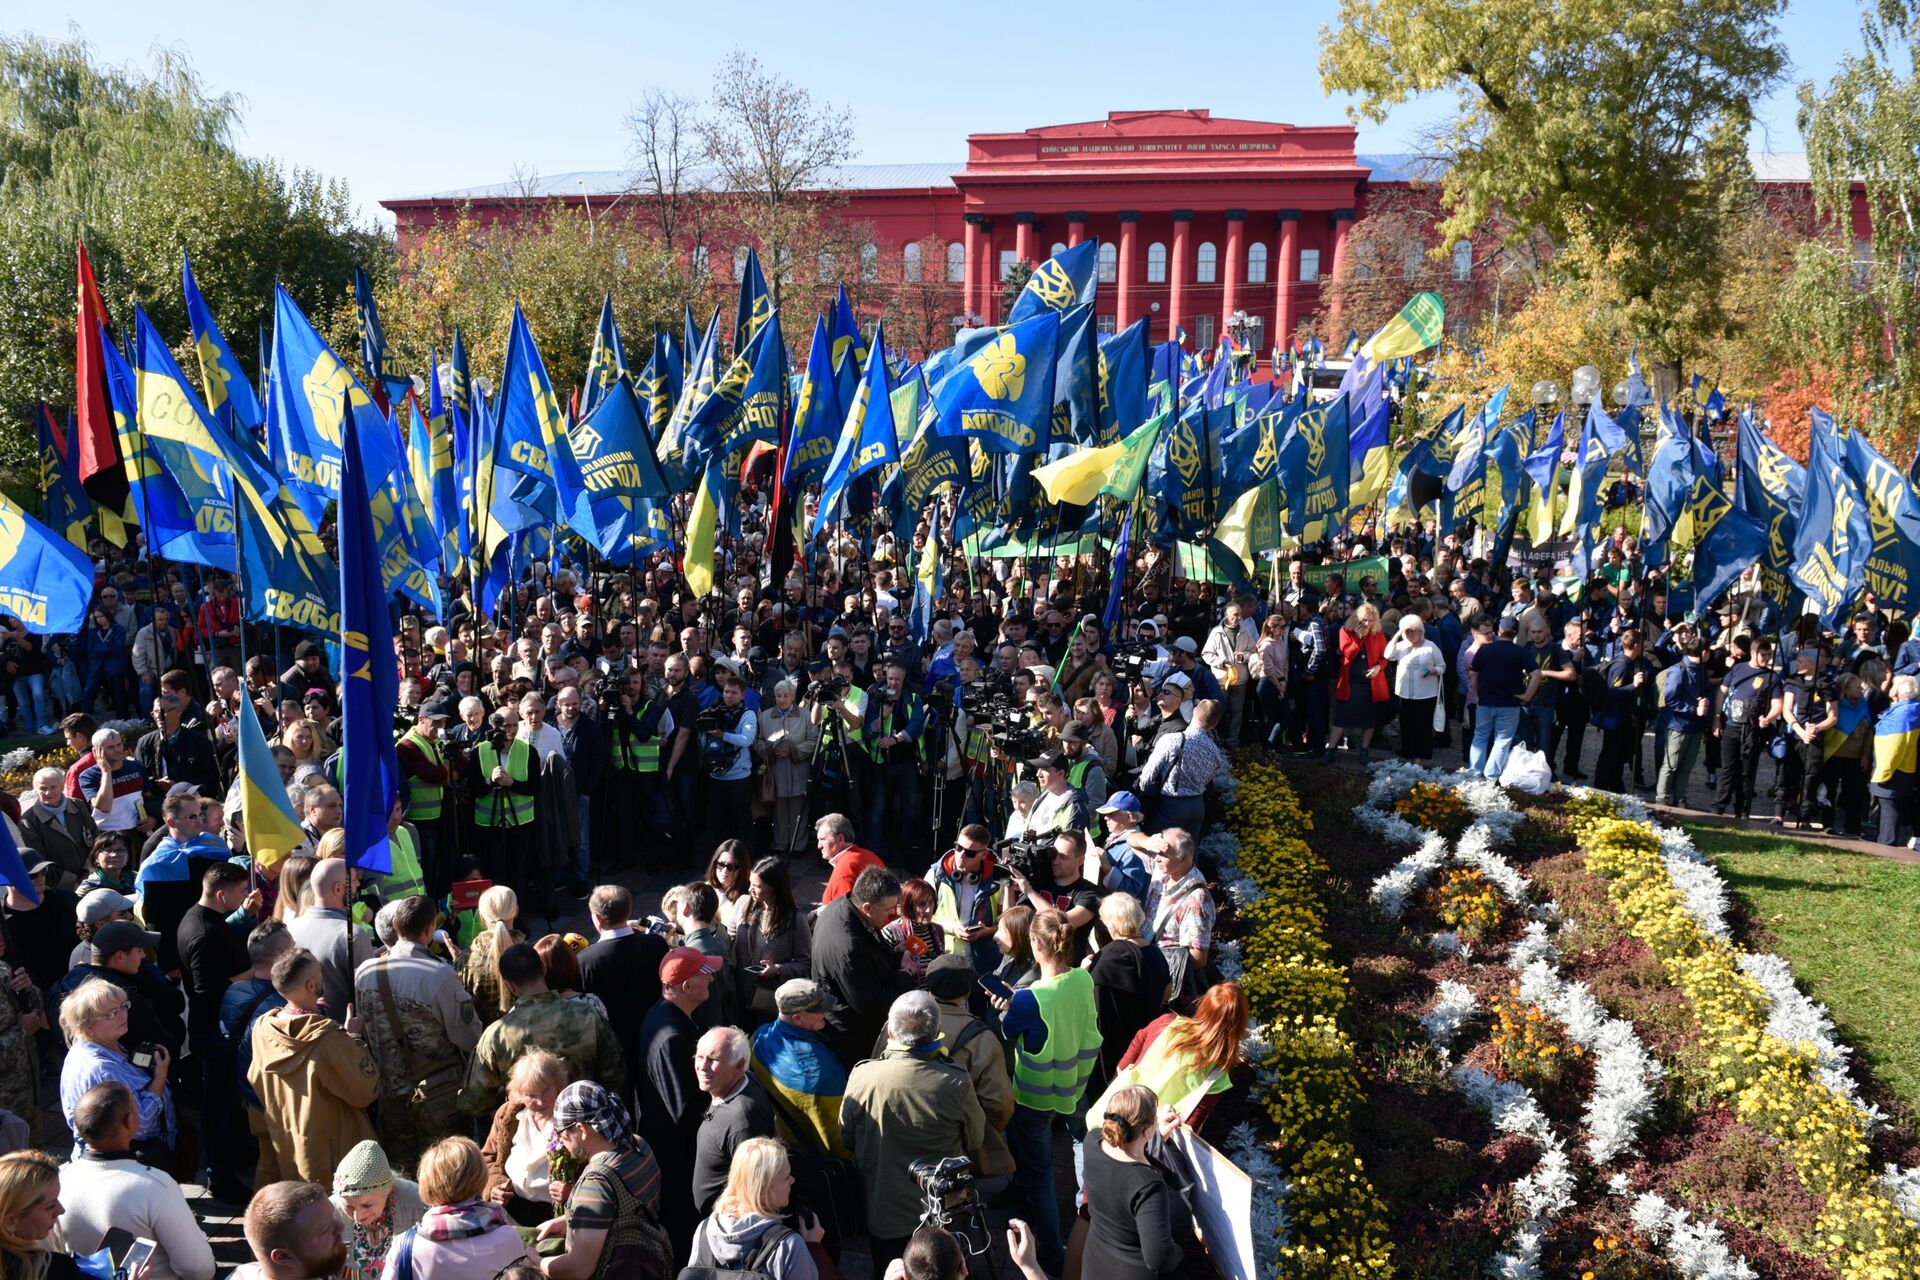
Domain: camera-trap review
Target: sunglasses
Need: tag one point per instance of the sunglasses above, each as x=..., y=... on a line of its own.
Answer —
x=726, y=866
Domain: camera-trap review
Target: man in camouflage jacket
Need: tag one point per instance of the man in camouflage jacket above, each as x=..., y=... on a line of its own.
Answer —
x=564, y=1025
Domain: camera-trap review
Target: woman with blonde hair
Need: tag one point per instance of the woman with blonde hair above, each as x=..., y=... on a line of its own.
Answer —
x=29, y=1208
x=1359, y=682
x=498, y=908
x=520, y=1143
x=745, y=1231
x=460, y=1235
x=93, y=1018
x=295, y=870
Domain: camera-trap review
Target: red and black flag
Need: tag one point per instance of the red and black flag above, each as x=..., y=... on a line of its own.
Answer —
x=101, y=474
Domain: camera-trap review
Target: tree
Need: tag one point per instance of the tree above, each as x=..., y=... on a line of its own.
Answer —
x=1629, y=122
x=921, y=305
x=1013, y=283
x=1856, y=314
x=141, y=166
x=557, y=265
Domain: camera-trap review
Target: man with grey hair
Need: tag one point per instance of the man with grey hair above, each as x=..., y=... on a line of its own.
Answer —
x=738, y=1109
x=908, y=1104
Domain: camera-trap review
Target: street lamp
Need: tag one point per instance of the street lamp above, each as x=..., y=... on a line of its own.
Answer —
x=1586, y=386
x=1622, y=392
x=1545, y=392
x=1237, y=326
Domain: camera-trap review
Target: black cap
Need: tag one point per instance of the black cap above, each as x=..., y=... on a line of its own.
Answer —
x=1075, y=732
x=122, y=935
x=1048, y=760
x=308, y=649
x=948, y=977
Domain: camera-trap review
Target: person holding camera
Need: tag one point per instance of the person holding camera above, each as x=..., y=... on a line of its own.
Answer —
x=838, y=706
x=1062, y=885
x=426, y=771
x=728, y=731
x=94, y=1021
x=632, y=717
x=908, y=1104
x=503, y=777
x=896, y=719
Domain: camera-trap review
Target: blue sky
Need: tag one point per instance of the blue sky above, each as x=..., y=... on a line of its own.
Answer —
x=402, y=98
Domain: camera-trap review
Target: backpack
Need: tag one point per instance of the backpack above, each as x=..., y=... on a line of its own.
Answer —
x=701, y=1265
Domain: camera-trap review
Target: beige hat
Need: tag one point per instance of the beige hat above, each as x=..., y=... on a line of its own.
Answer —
x=362, y=1169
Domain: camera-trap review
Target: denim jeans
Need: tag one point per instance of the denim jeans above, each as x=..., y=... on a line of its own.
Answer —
x=1030, y=1138
x=1493, y=732
x=1536, y=724
x=30, y=697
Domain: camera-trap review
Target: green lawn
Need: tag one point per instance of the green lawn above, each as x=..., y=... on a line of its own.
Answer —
x=1845, y=922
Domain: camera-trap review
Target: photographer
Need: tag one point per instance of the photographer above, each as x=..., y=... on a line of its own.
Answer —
x=896, y=719
x=1059, y=884
x=633, y=719
x=727, y=736
x=503, y=779
x=426, y=771
x=838, y=705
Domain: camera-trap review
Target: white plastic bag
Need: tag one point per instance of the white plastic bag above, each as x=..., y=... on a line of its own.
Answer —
x=1527, y=770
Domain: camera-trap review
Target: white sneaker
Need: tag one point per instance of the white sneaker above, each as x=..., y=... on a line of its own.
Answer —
x=1913, y=842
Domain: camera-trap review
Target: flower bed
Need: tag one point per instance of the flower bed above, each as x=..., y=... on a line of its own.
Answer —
x=1305, y=1081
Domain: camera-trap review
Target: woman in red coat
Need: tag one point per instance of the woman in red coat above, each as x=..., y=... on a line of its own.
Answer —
x=1360, y=681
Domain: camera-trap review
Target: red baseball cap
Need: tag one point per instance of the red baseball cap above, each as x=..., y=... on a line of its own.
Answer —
x=682, y=963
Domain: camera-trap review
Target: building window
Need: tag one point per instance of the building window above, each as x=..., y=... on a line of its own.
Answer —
x=1256, y=333
x=1156, y=263
x=1410, y=264
x=1309, y=265
x=702, y=261
x=869, y=262
x=1007, y=261
x=956, y=263
x=1206, y=262
x=1109, y=264
x=739, y=263
x=910, y=264
x=1202, y=333
x=825, y=266
x=1058, y=248
x=1862, y=261
x=1462, y=259
x=1256, y=263
x=1103, y=325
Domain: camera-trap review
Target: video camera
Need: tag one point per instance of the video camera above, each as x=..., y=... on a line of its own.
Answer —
x=1130, y=660
x=1029, y=857
x=827, y=688
x=945, y=1185
x=1005, y=722
x=608, y=691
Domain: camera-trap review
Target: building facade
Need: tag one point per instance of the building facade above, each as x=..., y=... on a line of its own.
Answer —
x=1203, y=222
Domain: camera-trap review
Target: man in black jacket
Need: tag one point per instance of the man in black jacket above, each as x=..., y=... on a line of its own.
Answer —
x=622, y=967
x=120, y=956
x=855, y=964
x=671, y=1102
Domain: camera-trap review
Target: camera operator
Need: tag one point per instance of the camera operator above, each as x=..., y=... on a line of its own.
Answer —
x=633, y=720
x=1085, y=773
x=896, y=719
x=503, y=777
x=1064, y=887
x=727, y=734
x=1059, y=806
x=839, y=706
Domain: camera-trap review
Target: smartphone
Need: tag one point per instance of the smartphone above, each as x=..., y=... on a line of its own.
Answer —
x=993, y=985
x=136, y=1256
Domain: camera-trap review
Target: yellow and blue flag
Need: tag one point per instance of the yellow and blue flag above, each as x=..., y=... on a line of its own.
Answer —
x=755, y=305
x=1076, y=380
x=1003, y=396
x=465, y=425
x=531, y=436
x=629, y=497
x=378, y=363
x=1772, y=489
x=817, y=415
x=1896, y=742
x=848, y=346
x=1830, y=547
x=1707, y=396
x=178, y=432
x=867, y=438
x=927, y=586
x=657, y=386
x=266, y=815
x=746, y=407
x=1369, y=457
x=64, y=505
x=1893, y=524
x=702, y=374
x=606, y=363
x=1062, y=282
x=1600, y=438
x=1313, y=468
x=423, y=537
x=1726, y=540
x=230, y=396
x=929, y=462
x=45, y=581
x=369, y=680
x=442, y=492
x=1543, y=467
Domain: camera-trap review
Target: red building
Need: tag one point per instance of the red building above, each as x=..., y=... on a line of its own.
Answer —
x=1197, y=217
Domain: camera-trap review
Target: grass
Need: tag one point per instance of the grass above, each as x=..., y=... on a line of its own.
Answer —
x=1844, y=922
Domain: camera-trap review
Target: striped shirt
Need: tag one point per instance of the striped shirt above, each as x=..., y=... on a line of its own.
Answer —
x=1182, y=764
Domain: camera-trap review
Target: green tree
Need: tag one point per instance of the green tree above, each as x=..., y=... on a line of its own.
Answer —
x=142, y=167
x=1630, y=121
x=1857, y=315
x=1012, y=284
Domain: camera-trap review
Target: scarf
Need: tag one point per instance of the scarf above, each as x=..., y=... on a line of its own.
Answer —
x=461, y=1221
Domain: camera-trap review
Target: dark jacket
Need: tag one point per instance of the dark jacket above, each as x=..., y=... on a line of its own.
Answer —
x=586, y=747
x=747, y=1114
x=625, y=973
x=156, y=1005
x=63, y=836
x=861, y=971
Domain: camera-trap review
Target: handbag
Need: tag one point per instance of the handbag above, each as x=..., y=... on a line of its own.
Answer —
x=1439, y=715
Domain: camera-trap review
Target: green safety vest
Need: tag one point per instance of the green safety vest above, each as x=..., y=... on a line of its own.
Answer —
x=1077, y=779
x=406, y=878
x=424, y=799
x=636, y=755
x=1055, y=1078
x=903, y=709
x=946, y=911
x=518, y=808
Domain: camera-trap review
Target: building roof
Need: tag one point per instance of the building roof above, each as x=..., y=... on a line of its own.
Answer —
x=613, y=182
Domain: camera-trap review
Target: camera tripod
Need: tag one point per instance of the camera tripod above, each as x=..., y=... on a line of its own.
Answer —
x=835, y=727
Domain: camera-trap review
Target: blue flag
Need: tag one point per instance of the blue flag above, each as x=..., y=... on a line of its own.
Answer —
x=755, y=304
x=1110, y=616
x=746, y=407
x=867, y=440
x=1670, y=475
x=459, y=394
x=1076, y=381
x=170, y=525
x=630, y=500
x=1313, y=468
x=929, y=463
x=13, y=872
x=45, y=581
x=1830, y=547
x=817, y=416
x=370, y=682
x=64, y=505
x=1727, y=540
x=1892, y=568
x=1003, y=395
x=230, y=396
x=606, y=363
x=1772, y=489
x=1064, y=281
x=654, y=387
x=702, y=373
x=847, y=349
x=531, y=434
x=442, y=493
x=381, y=369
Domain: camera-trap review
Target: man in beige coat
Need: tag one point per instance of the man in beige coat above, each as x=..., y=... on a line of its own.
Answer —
x=972, y=1046
x=909, y=1104
x=314, y=1076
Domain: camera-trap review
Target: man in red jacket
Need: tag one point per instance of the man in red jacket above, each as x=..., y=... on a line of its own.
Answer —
x=834, y=835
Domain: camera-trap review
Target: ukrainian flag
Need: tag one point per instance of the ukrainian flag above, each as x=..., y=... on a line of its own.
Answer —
x=265, y=813
x=1896, y=742
x=1851, y=714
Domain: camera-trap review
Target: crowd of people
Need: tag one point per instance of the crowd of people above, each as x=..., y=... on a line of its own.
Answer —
x=938, y=922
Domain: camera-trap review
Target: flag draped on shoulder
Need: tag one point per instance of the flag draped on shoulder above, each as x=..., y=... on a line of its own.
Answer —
x=45, y=581
x=1831, y=545
x=370, y=682
x=1896, y=742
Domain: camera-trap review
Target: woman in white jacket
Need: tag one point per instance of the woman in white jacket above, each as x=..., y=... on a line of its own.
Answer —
x=1418, y=671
